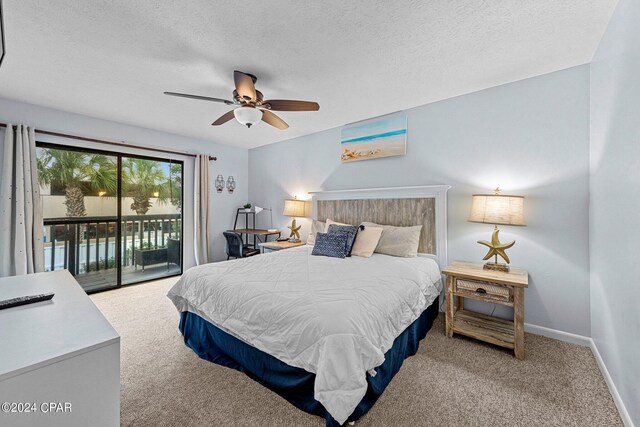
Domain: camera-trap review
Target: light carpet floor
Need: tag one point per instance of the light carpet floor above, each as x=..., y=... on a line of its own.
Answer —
x=450, y=381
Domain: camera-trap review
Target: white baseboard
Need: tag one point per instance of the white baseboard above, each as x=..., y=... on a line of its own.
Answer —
x=626, y=418
x=558, y=335
x=586, y=342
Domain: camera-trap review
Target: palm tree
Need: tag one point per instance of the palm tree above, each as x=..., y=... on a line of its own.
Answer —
x=143, y=179
x=76, y=171
x=175, y=185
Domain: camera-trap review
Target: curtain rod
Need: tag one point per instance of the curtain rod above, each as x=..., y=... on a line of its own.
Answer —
x=117, y=143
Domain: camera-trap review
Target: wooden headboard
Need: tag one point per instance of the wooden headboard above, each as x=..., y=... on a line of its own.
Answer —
x=400, y=206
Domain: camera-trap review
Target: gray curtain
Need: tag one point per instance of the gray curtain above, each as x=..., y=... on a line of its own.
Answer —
x=201, y=209
x=21, y=227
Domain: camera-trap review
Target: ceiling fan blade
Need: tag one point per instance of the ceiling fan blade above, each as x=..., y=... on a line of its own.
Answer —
x=290, y=105
x=244, y=85
x=223, y=119
x=275, y=121
x=202, y=98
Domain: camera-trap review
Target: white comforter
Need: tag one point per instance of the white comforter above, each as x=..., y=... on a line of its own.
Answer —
x=332, y=317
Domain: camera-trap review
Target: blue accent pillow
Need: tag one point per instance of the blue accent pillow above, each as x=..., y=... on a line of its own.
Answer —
x=331, y=245
x=349, y=231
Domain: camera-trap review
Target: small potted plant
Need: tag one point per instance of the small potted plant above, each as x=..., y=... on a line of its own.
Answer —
x=247, y=207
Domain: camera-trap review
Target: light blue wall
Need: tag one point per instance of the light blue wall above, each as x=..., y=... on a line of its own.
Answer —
x=530, y=137
x=615, y=202
x=231, y=160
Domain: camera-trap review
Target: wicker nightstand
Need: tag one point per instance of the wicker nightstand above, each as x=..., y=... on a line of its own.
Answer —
x=470, y=280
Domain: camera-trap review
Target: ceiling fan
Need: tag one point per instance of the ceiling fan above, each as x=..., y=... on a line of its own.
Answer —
x=251, y=106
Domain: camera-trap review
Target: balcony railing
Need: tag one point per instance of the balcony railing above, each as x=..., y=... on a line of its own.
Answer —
x=88, y=244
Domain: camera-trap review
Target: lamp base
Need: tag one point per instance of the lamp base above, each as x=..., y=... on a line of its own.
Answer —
x=496, y=266
x=293, y=240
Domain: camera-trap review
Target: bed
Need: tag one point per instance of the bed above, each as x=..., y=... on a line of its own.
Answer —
x=326, y=334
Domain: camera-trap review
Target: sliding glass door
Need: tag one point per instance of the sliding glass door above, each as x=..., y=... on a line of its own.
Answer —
x=111, y=220
x=79, y=190
x=151, y=219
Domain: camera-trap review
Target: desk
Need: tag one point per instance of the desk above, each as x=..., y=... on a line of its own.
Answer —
x=256, y=233
x=60, y=351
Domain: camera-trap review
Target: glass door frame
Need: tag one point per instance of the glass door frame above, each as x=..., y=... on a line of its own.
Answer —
x=118, y=217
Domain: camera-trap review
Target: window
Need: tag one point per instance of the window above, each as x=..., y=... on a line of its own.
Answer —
x=110, y=219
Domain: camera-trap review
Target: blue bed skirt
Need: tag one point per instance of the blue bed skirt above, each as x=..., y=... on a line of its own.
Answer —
x=296, y=384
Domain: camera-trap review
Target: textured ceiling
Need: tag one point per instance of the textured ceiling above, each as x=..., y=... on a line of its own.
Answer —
x=358, y=59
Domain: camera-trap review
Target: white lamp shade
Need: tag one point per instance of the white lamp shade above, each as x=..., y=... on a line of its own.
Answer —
x=497, y=209
x=294, y=207
x=248, y=116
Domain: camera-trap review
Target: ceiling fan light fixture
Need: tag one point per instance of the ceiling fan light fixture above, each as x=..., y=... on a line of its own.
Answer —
x=248, y=115
x=251, y=107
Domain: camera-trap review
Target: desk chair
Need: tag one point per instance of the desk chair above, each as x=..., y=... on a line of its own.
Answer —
x=235, y=246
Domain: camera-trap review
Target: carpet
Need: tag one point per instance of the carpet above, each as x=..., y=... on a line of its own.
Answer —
x=450, y=381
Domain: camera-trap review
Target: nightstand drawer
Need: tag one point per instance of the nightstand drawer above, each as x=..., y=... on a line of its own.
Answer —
x=489, y=291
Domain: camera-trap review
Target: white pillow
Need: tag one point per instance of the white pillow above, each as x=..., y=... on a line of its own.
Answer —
x=316, y=227
x=329, y=222
x=398, y=241
x=366, y=241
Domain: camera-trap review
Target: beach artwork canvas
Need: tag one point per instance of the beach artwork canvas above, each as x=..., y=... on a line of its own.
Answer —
x=374, y=138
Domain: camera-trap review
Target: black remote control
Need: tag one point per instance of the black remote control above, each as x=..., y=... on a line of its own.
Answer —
x=29, y=299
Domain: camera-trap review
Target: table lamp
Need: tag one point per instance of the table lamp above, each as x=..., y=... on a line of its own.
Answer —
x=497, y=209
x=294, y=208
x=258, y=209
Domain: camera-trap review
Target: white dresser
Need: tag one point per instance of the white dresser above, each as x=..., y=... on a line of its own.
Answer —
x=59, y=359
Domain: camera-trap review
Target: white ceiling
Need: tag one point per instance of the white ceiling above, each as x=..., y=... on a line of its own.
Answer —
x=112, y=59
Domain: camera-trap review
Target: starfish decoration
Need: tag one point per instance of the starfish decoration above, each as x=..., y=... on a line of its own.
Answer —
x=295, y=229
x=496, y=248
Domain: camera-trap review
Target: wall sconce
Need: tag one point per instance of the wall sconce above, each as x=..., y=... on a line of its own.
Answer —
x=156, y=194
x=231, y=184
x=219, y=183
x=101, y=193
